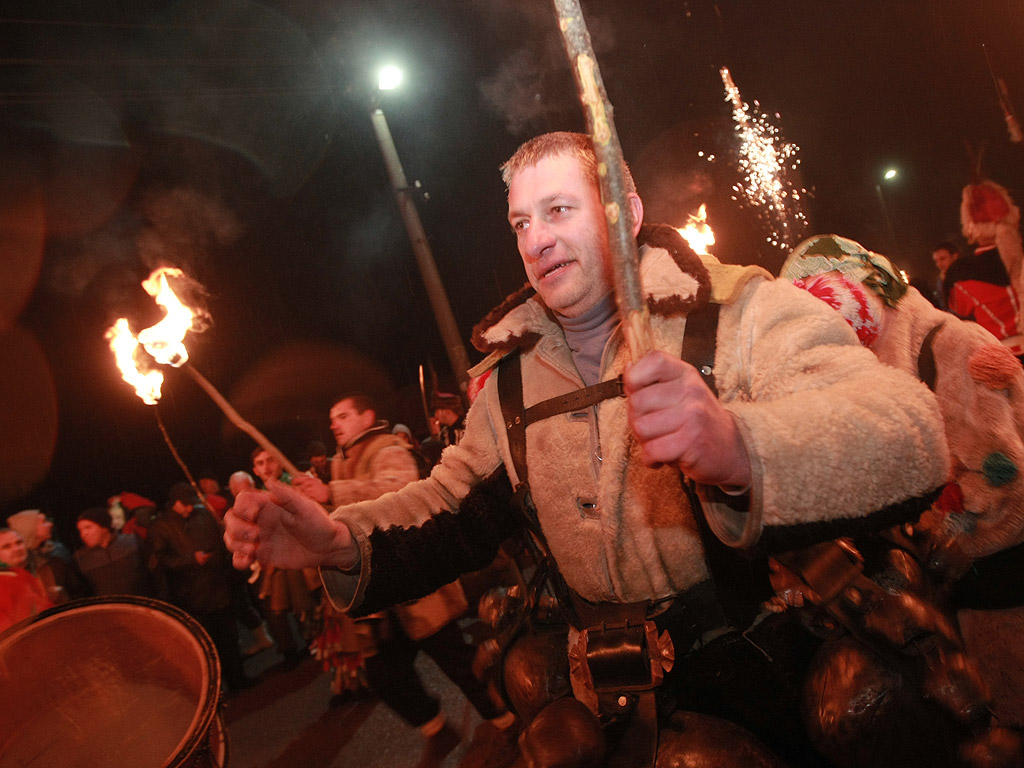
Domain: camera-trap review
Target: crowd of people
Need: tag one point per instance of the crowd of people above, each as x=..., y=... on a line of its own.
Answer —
x=734, y=550
x=176, y=553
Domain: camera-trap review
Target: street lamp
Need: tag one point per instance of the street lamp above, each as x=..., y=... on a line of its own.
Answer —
x=389, y=79
x=889, y=175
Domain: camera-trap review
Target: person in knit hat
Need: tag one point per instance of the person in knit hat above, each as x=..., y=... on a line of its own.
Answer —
x=48, y=560
x=22, y=595
x=110, y=563
x=976, y=527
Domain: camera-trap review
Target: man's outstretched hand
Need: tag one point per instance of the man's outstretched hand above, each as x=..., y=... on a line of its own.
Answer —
x=285, y=528
x=679, y=421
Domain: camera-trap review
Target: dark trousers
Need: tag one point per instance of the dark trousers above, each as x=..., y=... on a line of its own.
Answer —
x=220, y=626
x=281, y=630
x=393, y=676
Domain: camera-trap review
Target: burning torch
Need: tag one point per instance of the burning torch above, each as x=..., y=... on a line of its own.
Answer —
x=636, y=321
x=165, y=344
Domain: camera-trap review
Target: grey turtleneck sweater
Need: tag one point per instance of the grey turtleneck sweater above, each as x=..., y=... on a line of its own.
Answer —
x=587, y=334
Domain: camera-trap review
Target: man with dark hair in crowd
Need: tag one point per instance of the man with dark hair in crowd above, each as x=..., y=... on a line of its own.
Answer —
x=319, y=463
x=447, y=424
x=186, y=540
x=790, y=449
x=110, y=563
x=943, y=255
x=370, y=462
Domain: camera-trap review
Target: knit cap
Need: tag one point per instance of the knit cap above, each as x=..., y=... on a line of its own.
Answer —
x=100, y=516
x=25, y=523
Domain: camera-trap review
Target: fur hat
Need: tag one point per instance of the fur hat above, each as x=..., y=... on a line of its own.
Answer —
x=447, y=401
x=100, y=516
x=25, y=523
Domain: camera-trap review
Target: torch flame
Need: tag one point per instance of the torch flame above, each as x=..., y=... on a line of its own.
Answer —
x=164, y=341
x=697, y=233
x=124, y=345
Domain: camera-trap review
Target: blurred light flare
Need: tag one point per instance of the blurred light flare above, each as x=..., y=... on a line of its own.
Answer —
x=765, y=160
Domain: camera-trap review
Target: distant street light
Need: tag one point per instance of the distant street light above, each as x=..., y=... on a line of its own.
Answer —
x=390, y=77
x=889, y=175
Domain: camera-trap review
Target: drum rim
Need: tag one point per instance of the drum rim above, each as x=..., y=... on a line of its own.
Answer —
x=206, y=708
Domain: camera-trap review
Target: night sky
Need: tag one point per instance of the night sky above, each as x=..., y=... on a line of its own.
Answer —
x=232, y=138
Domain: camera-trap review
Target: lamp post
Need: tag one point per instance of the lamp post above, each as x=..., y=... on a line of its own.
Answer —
x=889, y=175
x=390, y=77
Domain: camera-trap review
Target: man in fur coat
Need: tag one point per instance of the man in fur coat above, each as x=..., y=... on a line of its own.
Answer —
x=370, y=462
x=788, y=452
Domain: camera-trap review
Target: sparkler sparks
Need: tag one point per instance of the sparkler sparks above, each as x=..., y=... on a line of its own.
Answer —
x=766, y=160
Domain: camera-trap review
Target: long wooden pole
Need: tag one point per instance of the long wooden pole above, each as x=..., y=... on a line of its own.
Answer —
x=611, y=176
x=238, y=421
x=177, y=458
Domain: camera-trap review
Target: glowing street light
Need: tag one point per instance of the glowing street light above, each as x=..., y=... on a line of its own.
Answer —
x=888, y=175
x=389, y=78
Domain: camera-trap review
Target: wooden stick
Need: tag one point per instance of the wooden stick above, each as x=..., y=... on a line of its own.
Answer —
x=636, y=325
x=239, y=422
x=177, y=457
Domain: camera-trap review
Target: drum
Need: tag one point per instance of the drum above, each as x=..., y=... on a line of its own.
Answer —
x=101, y=682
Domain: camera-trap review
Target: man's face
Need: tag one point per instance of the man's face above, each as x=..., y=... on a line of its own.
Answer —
x=44, y=529
x=12, y=549
x=266, y=467
x=557, y=216
x=446, y=416
x=943, y=259
x=347, y=423
x=92, y=534
x=181, y=508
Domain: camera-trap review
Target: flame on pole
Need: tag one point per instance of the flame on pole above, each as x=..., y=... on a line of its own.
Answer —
x=165, y=343
x=698, y=235
x=633, y=310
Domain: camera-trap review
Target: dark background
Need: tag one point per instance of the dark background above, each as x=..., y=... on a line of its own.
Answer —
x=231, y=138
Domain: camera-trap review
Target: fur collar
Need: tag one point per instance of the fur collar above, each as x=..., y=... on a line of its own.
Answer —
x=674, y=279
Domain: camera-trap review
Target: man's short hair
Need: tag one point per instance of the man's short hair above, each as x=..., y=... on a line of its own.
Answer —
x=99, y=515
x=183, y=492
x=361, y=401
x=256, y=452
x=947, y=245
x=576, y=145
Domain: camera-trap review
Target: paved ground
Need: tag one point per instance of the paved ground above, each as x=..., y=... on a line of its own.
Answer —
x=285, y=722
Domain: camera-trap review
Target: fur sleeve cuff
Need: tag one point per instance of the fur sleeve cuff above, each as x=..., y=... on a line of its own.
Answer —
x=737, y=520
x=346, y=588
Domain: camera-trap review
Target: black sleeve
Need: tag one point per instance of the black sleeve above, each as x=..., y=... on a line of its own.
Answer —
x=408, y=563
